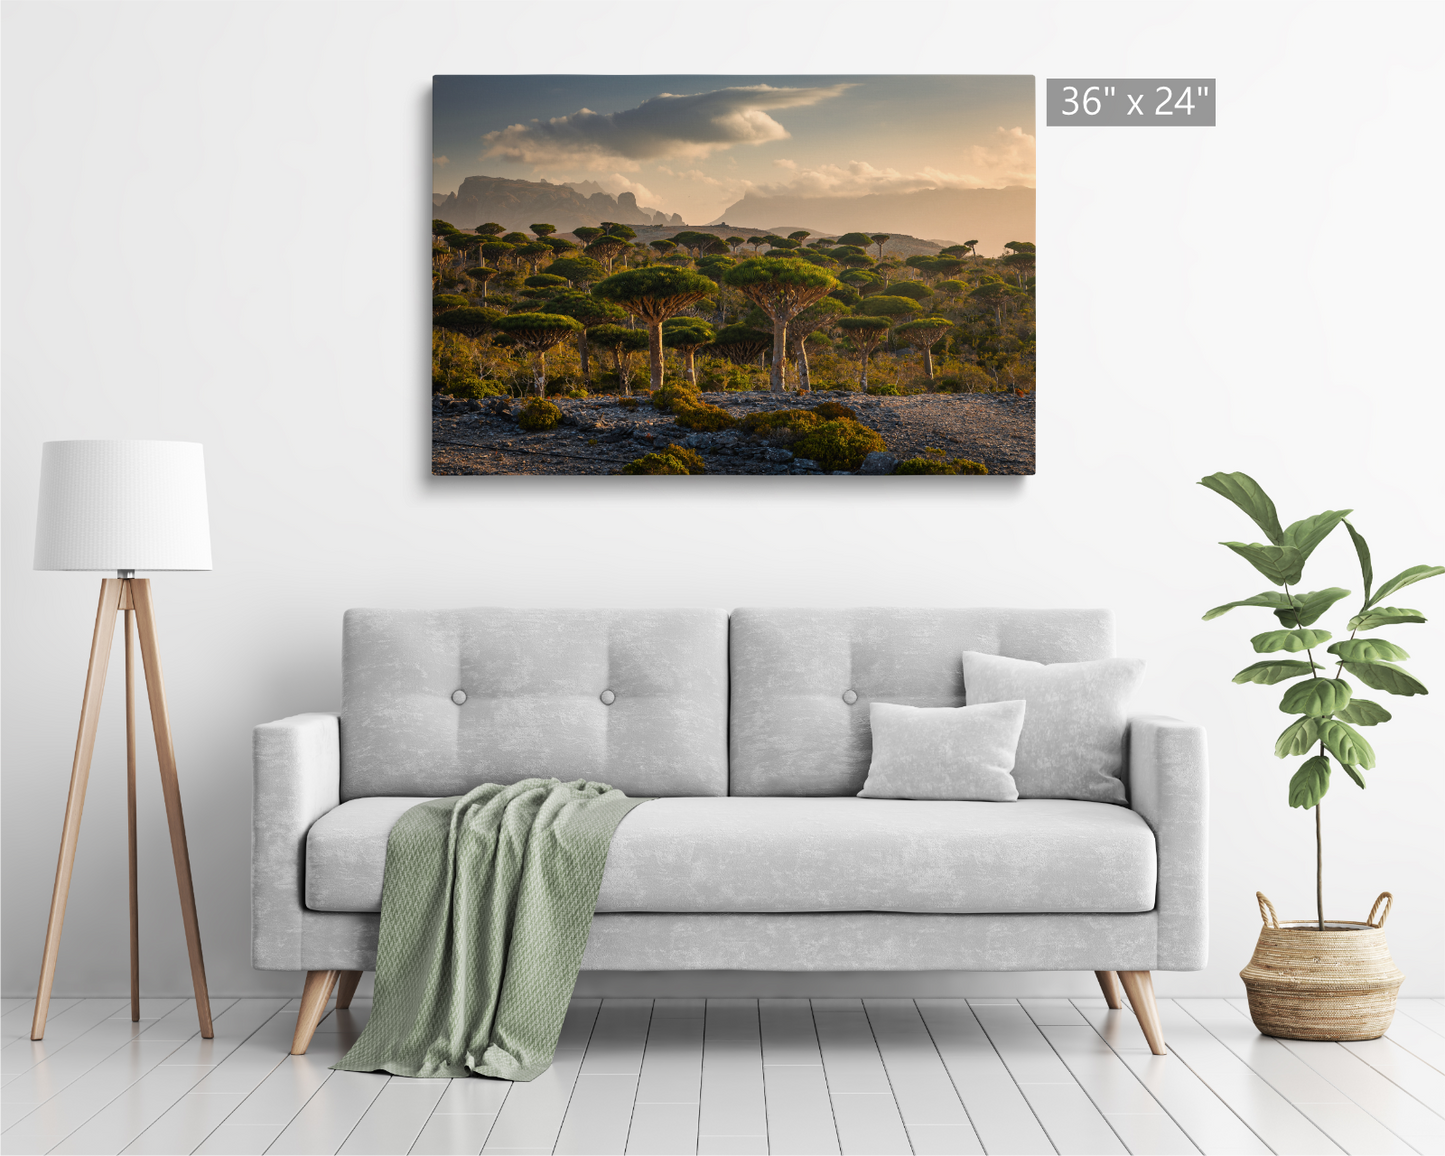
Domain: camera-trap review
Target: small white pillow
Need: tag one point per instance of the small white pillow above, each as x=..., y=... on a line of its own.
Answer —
x=949, y=752
x=1072, y=745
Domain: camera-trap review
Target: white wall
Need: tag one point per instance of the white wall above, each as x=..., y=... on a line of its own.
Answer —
x=214, y=231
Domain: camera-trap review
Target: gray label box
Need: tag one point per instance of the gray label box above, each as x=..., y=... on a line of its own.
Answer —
x=1093, y=103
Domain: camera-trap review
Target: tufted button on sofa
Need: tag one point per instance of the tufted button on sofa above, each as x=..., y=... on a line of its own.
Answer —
x=751, y=730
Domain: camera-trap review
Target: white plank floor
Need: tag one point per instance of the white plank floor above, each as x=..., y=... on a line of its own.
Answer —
x=732, y=1076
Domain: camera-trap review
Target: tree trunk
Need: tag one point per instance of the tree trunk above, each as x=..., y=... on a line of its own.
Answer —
x=484, y=289
x=689, y=366
x=541, y=374
x=928, y=361
x=805, y=382
x=863, y=376
x=654, y=352
x=624, y=379
x=780, y=353
x=582, y=356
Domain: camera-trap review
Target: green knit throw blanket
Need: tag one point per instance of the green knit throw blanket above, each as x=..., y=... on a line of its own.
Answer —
x=486, y=904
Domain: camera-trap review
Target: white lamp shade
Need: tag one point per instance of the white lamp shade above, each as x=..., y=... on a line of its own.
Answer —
x=122, y=505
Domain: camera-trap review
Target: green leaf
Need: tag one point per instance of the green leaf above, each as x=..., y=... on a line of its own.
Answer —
x=1297, y=738
x=1280, y=564
x=1248, y=495
x=1369, y=650
x=1364, y=713
x=1346, y=744
x=1308, y=533
x=1384, y=616
x=1405, y=578
x=1291, y=640
x=1271, y=598
x=1362, y=551
x=1273, y=670
x=1308, y=607
x=1310, y=782
x=1319, y=697
x=1355, y=774
x=1383, y=676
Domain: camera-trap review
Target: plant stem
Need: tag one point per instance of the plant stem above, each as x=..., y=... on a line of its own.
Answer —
x=1319, y=871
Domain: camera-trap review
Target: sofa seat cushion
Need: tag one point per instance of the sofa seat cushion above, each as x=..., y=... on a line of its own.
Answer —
x=759, y=854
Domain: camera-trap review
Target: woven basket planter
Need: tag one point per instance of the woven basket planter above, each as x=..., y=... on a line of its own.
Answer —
x=1336, y=984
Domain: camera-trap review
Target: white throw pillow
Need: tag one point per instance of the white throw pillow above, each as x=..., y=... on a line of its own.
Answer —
x=949, y=752
x=1072, y=745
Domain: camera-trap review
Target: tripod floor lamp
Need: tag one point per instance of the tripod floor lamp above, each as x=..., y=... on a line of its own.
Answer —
x=123, y=506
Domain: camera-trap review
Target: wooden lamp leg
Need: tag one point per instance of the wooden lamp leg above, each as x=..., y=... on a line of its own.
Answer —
x=1139, y=987
x=1109, y=985
x=346, y=989
x=130, y=823
x=313, y=1006
x=100, y=643
x=171, y=790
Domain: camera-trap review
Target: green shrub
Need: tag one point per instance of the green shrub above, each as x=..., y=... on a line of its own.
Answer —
x=969, y=379
x=576, y=393
x=830, y=410
x=539, y=414
x=664, y=398
x=629, y=403
x=934, y=466
x=691, y=459
x=655, y=464
x=883, y=390
x=701, y=415
x=768, y=420
x=839, y=444
x=441, y=302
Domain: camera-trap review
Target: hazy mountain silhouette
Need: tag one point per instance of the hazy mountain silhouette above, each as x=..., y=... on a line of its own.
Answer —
x=517, y=204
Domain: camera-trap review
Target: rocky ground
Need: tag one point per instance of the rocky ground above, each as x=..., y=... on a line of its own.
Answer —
x=601, y=434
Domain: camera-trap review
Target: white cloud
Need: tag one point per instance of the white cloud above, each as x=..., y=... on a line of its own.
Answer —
x=667, y=125
x=1007, y=159
x=439, y=161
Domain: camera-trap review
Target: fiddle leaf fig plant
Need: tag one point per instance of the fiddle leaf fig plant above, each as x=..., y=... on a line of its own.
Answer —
x=1325, y=703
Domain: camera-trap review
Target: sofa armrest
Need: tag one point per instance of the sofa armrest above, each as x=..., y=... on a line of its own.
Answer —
x=297, y=767
x=1169, y=789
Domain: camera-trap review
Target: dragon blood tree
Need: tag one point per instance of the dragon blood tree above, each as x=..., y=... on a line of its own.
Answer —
x=652, y=295
x=687, y=335
x=924, y=334
x=865, y=333
x=538, y=332
x=782, y=287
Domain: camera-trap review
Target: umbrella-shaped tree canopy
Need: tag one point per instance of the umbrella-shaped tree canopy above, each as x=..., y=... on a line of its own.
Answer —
x=687, y=335
x=622, y=343
x=914, y=289
x=591, y=312
x=865, y=333
x=578, y=270
x=740, y=344
x=473, y=321
x=821, y=314
x=924, y=334
x=538, y=332
x=887, y=305
x=653, y=295
x=781, y=288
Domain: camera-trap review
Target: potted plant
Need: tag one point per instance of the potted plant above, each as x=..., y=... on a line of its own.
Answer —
x=1313, y=979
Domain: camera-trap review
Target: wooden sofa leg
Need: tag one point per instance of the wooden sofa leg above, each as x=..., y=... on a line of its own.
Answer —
x=313, y=1006
x=1109, y=985
x=1139, y=987
x=346, y=988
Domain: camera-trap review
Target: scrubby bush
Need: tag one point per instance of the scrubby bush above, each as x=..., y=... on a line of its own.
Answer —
x=664, y=399
x=968, y=379
x=883, y=390
x=539, y=414
x=769, y=420
x=839, y=444
x=691, y=459
x=700, y=415
x=936, y=466
x=830, y=410
x=655, y=464
x=441, y=302
x=576, y=393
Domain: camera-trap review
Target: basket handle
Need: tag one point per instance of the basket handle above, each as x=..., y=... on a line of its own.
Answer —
x=1267, y=912
x=1389, y=901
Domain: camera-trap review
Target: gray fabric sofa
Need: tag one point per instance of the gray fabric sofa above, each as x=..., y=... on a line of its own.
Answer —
x=751, y=729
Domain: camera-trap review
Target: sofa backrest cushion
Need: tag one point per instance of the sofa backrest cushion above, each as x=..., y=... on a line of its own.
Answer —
x=802, y=680
x=634, y=698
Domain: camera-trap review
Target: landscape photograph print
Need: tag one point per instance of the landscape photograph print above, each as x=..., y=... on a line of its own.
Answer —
x=695, y=275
